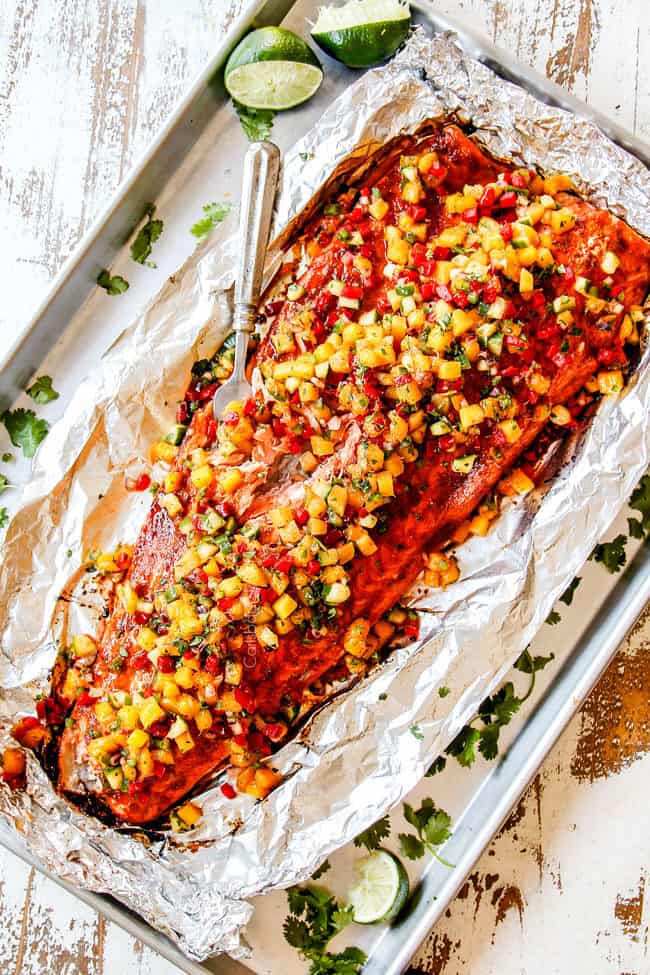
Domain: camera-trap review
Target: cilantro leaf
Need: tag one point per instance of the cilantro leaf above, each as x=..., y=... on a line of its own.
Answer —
x=437, y=828
x=569, y=592
x=489, y=741
x=433, y=828
x=444, y=691
x=146, y=237
x=438, y=765
x=553, y=618
x=635, y=528
x=215, y=213
x=410, y=846
x=296, y=932
x=463, y=747
x=528, y=664
x=501, y=707
x=41, y=390
x=4, y=482
x=371, y=838
x=4, y=517
x=324, y=867
x=25, y=429
x=112, y=285
x=640, y=501
x=416, y=732
x=256, y=122
x=611, y=554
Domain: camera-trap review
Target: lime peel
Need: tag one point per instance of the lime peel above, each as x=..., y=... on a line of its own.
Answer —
x=362, y=33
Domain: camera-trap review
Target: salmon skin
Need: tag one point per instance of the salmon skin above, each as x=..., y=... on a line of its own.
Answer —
x=441, y=323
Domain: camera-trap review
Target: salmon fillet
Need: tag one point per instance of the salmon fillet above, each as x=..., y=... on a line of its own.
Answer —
x=440, y=320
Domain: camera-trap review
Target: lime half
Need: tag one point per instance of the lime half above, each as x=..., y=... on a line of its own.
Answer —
x=362, y=32
x=382, y=889
x=272, y=68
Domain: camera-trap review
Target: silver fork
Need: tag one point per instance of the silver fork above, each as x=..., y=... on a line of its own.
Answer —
x=260, y=180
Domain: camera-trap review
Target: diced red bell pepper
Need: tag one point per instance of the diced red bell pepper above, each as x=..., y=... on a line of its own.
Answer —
x=244, y=698
x=182, y=413
x=207, y=392
x=471, y=215
x=274, y=731
x=228, y=790
x=140, y=483
x=313, y=567
x=441, y=253
x=159, y=728
x=488, y=196
x=301, y=516
x=351, y=291
x=212, y=664
x=417, y=212
x=418, y=255
x=612, y=356
x=166, y=664
x=427, y=290
x=507, y=200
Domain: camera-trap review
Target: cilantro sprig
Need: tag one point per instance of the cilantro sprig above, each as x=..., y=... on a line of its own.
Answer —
x=494, y=714
x=146, y=237
x=315, y=917
x=42, y=391
x=256, y=122
x=112, y=284
x=611, y=554
x=640, y=501
x=432, y=828
x=214, y=214
x=25, y=429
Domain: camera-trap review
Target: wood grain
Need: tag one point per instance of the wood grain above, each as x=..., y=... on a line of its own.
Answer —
x=84, y=85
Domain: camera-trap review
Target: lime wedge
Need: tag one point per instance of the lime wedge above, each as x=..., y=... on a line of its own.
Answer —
x=382, y=889
x=272, y=68
x=362, y=32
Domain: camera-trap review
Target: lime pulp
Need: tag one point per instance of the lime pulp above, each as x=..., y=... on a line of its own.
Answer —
x=381, y=890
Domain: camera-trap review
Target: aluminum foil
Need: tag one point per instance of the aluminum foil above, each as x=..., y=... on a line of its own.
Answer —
x=356, y=757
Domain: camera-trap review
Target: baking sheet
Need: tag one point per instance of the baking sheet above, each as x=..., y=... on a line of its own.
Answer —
x=298, y=15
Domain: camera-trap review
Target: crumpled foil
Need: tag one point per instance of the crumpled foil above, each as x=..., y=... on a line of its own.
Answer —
x=356, y=757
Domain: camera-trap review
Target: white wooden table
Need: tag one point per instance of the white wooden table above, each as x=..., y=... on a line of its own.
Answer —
x=83, y=87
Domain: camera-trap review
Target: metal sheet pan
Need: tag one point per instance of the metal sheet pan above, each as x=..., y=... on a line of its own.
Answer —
x=65, y=314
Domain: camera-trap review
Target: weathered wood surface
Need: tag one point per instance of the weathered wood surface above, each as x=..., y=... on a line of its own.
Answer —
x=84, y=84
